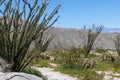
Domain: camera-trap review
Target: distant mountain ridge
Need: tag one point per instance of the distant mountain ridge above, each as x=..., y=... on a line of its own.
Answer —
x=70, y=37
x=111, y=30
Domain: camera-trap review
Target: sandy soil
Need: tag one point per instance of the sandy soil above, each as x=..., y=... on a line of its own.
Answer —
x=54, y=75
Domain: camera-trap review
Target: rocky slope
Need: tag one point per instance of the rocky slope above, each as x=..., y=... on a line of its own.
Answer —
x=66, y=38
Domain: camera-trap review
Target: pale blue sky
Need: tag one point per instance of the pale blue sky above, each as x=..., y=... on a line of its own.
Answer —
x=77, y=13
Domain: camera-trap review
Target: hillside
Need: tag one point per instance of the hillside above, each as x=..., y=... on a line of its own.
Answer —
x=67, y=37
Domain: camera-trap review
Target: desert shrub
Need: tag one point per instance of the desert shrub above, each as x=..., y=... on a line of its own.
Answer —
x=108, y=57
x=71, y=58
x=116, y=63
x=103, y=66
x=89, y=63
x=100, y=50
x=75, y=58
x=81, y=73
x=56, y=55
x=30, y=70
x=92, y=75
x=41, y=62
x=43, y=55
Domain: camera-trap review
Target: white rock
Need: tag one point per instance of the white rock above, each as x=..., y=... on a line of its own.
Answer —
x=18, y=76
x=98, y=54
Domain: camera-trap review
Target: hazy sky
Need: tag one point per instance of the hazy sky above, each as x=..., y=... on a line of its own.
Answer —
x=77, y=13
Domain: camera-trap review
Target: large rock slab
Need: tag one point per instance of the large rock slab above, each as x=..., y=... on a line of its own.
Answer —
x=18, y=76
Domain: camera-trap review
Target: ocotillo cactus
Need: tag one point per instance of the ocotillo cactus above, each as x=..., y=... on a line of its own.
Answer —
x=89, y=38
x=21, y=23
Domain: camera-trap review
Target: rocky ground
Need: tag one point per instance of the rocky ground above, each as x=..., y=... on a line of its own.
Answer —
x=54, y=75
x=51, y=74
x=109, y=75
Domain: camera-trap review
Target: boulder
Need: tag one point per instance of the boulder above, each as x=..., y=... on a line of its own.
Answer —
x=97, y=54
x=18, y=76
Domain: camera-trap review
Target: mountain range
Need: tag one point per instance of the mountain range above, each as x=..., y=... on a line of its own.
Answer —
x=111, y=30
x=68, y=37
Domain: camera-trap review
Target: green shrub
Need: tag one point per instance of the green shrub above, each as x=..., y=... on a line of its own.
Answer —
x=81, y=73
x=104, y=66
x=92, y=75
x=41, y=63
x=89, y=63
x=71, y=58
x=116, y=64
x=108, y=57
x=30, y=70
x=100, y=50
x=75, y=58
x=57, y=55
